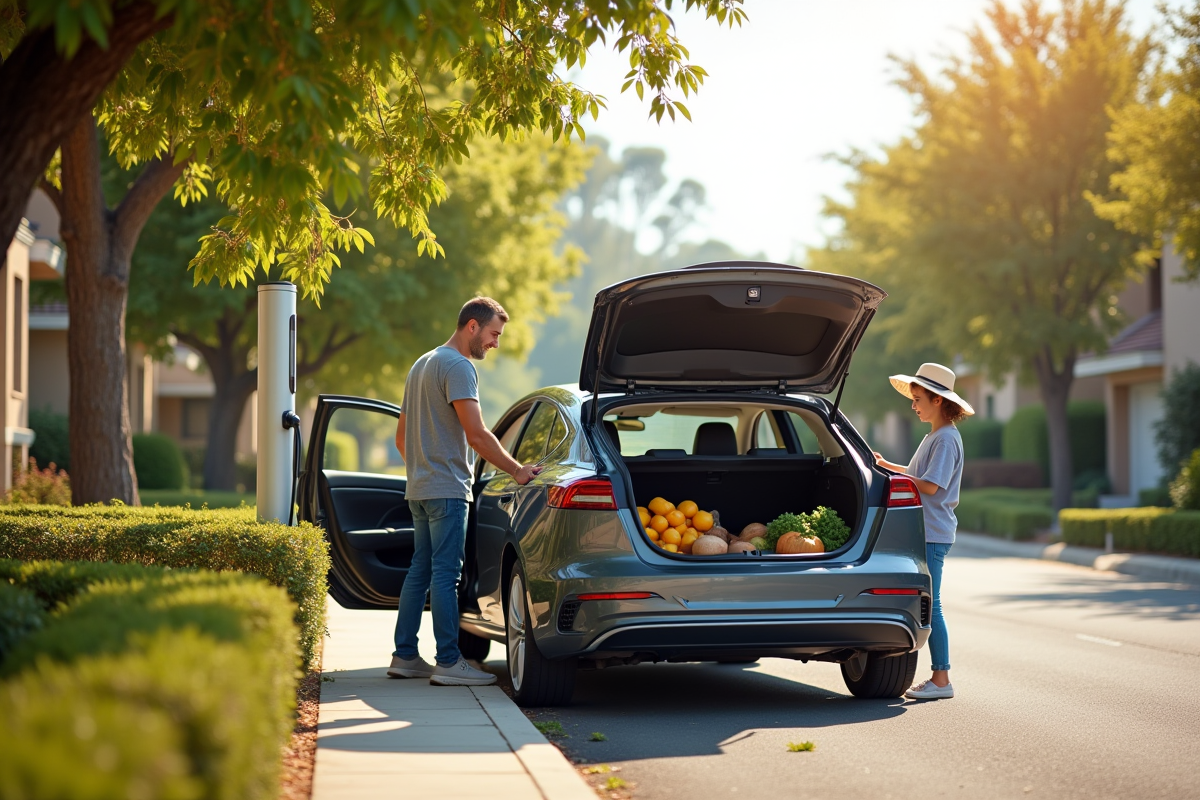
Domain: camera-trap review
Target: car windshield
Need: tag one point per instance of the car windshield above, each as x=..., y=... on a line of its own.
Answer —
x=666, y=430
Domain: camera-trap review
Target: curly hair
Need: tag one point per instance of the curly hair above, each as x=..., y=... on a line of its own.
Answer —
x=951, y=411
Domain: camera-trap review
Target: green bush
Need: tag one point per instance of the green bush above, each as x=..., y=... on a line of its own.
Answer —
x=341, y=451
x=49, y=486
x=158, y=462
x=50, y=443
x=246, y=472
x=193, y=457
x=1154, y=496
x=1185, y=489
x=294, y=558
x=1026, y=437
x=149, y=683
x=982, y=438
x=1003, y=512
x=1151, y=530
x=1178, y=432
x=20, y=615
x=196, y=498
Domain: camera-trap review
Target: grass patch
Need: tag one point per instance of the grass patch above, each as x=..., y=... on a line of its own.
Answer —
x=615, y=783
x=599, y=769
x=801, y=747
x=551, y=728
x=196, y=498
x=597, y=736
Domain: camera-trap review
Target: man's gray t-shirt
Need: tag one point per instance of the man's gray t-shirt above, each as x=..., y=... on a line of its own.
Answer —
x=435, y=444
x=939, y=460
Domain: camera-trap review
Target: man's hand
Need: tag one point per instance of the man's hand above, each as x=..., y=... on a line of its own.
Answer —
x=525, y=474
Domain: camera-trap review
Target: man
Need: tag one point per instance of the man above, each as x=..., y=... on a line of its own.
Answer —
x=439, y=419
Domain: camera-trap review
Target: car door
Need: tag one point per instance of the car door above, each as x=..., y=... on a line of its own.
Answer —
x=353, y=485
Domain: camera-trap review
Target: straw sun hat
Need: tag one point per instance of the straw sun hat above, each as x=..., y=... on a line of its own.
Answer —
x=935, y=378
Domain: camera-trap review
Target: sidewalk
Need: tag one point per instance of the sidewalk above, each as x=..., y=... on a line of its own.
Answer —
x=379, y=737
x=1140, y=565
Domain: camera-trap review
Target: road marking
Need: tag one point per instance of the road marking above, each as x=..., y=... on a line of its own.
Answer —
x=1098, y=640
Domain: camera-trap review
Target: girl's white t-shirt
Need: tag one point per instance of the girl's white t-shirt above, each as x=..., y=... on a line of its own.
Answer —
x=939, y=460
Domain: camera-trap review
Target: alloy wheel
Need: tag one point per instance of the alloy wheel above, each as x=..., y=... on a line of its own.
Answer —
x=856, y=667
x=516, y=632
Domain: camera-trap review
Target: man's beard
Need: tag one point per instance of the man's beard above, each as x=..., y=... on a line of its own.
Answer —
x=478, y=351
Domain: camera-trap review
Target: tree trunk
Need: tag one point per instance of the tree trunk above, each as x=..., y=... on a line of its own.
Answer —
x=99, y=245
x=43, y=95
x=229, y=401
x=1055, y=386
x=96, y=281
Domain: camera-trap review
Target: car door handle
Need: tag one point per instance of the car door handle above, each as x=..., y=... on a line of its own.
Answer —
x=505, y=499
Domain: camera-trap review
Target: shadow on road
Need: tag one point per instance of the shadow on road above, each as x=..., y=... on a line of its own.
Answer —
x=670, y=710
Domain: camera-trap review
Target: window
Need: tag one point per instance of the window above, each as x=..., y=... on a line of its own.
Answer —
x=507, y=439
x=537, y=434
x=804, y=431
x=362, y=440
x=196, y=411
x=18, y=334
x=670, y=429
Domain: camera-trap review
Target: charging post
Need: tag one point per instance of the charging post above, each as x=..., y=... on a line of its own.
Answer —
x=276, y=406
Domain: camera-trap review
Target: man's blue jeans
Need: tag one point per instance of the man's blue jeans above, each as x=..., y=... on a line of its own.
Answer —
x=939, y=640
x=439, y=537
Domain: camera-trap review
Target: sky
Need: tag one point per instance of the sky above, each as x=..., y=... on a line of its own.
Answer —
x=800, y=80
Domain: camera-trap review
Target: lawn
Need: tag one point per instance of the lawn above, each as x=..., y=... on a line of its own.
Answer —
x=196, y=498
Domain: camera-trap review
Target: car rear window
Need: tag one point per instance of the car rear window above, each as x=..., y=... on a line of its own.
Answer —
x=666, y=431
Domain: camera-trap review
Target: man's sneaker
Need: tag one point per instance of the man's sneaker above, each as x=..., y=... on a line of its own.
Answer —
x=928, y=690
x=409, y=668
x=461, y=674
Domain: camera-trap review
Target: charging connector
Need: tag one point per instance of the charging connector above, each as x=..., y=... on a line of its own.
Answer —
x=291, y=421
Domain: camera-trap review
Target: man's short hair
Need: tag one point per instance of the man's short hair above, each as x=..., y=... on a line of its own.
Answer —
x=482, y=310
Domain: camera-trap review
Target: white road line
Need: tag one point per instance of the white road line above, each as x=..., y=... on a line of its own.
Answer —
x=1098, y=640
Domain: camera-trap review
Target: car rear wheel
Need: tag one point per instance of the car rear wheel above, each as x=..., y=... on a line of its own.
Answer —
x=536, y=680
x=472, y=647
x=869, y=675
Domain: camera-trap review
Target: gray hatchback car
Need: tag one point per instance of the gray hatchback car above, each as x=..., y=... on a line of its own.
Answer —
x=725, y=411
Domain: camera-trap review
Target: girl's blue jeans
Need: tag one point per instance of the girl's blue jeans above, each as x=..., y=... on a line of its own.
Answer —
x=439, y=537
x=939, y=640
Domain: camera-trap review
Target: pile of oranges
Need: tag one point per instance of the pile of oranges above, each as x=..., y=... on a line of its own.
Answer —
x=674, y=528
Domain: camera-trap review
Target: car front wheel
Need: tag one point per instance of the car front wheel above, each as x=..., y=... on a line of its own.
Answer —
x=869, y=675
x=472, y=647
x=536, y=680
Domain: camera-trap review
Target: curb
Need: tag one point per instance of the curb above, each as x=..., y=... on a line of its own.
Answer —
x=1140, y=565
x=555, y=776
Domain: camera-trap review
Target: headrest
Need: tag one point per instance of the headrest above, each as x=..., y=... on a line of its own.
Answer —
x=715, y=439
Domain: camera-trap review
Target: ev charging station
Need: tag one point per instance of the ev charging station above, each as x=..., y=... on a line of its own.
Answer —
x=278, y=424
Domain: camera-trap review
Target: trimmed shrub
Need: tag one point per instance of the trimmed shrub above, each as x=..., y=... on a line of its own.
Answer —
x=50, y=443
x=1001, y=513
x=986, y=473
x=1178, y=432
x=101, y=686
x=158, y=462
x=20, y=615
x=341, y=451
x=1154, y=496
x=294, y=558
x=981, y=438
x=1026, y=437
x=1185, y=489
x=1150, y=530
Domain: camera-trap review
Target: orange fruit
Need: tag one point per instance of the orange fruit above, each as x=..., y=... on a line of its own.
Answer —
x=670, y=536
x=702, y=521
x=644, y=515
x=653, y=534
x=660, y=506
x=659, y=523
x=670, y=548
x=675, y=518
x=695, y=534
x=685, y=544
x=682, y=529
x=688, y=508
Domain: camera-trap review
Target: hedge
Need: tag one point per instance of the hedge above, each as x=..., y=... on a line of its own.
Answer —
x=158, y=462
x=1146, y=530
x=147, y=682
x=996, y=514
x=981, y=438
x=1026, y=437
x=50, y=441
x=294, y=558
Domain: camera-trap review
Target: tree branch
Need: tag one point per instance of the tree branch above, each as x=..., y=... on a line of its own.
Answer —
x=328, y=351
x=150, y=187
x=53, y=193
x=209, y=353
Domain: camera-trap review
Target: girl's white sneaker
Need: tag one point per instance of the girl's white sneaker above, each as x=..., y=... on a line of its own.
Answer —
x=928, y=690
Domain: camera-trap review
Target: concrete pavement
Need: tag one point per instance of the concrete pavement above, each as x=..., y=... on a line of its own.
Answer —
x=1141, y=565
x=379, y=737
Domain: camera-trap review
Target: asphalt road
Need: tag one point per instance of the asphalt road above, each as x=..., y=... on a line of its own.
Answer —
x=1070, y=683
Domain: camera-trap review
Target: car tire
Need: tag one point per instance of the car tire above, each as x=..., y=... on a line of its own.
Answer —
x=536, y=680
x=869, y=675
x=472, y=647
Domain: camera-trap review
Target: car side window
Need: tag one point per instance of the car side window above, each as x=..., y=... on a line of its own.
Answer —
x=537, y=434
x=361, y=440
x=808, y=439
x=558, y=434
x=507, y=438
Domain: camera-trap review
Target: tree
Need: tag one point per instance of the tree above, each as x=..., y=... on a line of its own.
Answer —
x=386, y=307
x=1001, y=256
x=1156, y=189
x=274, y=109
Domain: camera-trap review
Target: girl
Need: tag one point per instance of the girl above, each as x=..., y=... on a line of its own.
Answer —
x=937, y=470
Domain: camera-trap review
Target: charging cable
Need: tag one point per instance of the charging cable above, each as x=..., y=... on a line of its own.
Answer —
x=292, y=420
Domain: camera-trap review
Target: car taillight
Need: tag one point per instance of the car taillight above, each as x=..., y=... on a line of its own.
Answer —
x=592, y=493
x=616, y=596
x=902, y=492
x=892, y=591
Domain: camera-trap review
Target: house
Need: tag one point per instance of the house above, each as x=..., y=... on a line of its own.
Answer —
x=1163, y=337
